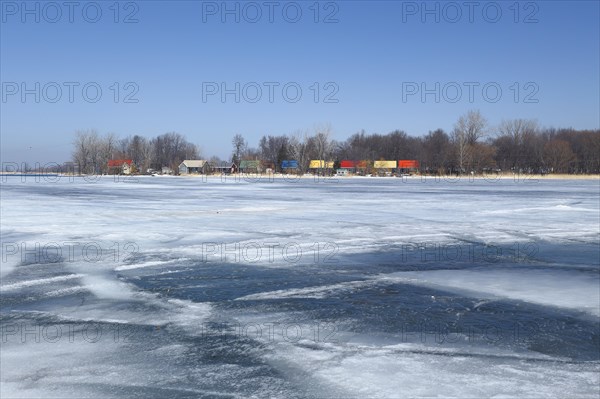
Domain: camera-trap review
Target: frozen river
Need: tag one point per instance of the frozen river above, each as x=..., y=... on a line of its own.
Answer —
x=360, y=287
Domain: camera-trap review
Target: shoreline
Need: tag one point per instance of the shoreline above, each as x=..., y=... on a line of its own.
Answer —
x=279, y=176
x=412, y=177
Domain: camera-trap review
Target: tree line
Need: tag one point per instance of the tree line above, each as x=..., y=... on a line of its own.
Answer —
x=473, y=146
x=92, y=151
x=517, y=145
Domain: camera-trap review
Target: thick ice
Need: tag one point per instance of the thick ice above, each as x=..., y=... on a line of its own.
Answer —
x=190, y=268
x=577, y=291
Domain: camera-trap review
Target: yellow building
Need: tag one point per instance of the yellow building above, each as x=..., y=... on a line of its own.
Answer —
x=384, y=165
x=320, y=164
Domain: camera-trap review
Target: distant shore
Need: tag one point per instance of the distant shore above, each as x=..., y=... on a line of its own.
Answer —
x=251, y=176
x=416, y=176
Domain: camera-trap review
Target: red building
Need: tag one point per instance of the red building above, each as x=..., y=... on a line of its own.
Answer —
x=408, y=164
x=120, y=166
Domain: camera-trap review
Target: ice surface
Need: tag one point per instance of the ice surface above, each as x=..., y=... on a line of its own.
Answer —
x=200, y=287
x=399, y=371
x=577, y=291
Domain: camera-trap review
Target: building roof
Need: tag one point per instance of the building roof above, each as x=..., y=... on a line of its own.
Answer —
x=119, y=162
x=408, y=164
x=320, y=164
x=384, y=164
x=199, y=163
x=249, y=164
x=224, y=166
x=289, y=164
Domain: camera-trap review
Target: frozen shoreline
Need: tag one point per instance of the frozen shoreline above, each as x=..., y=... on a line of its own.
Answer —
x=251, y=178
x=412, y=177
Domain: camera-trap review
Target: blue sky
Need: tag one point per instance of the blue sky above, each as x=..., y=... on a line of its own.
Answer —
x=373, y=62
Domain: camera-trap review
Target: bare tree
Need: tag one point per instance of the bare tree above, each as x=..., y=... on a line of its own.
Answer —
x=514, y=140
x=299, y=149
x=475, y=126
x=239, y=146
x=558, y=155
x=87, y=152
x=436, y=151
x=467, y=131
x=322, y=145
x=108, y=147
x=587, y=149
x=275, y=149
x=251, y=154
x=517, y=129
x=482, y=157
x=81, y=151
x=139, y=151
x=461, y=145
x=170, y=149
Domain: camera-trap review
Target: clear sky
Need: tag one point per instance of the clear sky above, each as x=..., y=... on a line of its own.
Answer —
x=358, y=64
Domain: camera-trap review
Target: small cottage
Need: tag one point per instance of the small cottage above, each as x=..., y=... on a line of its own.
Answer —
x=191, y=167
